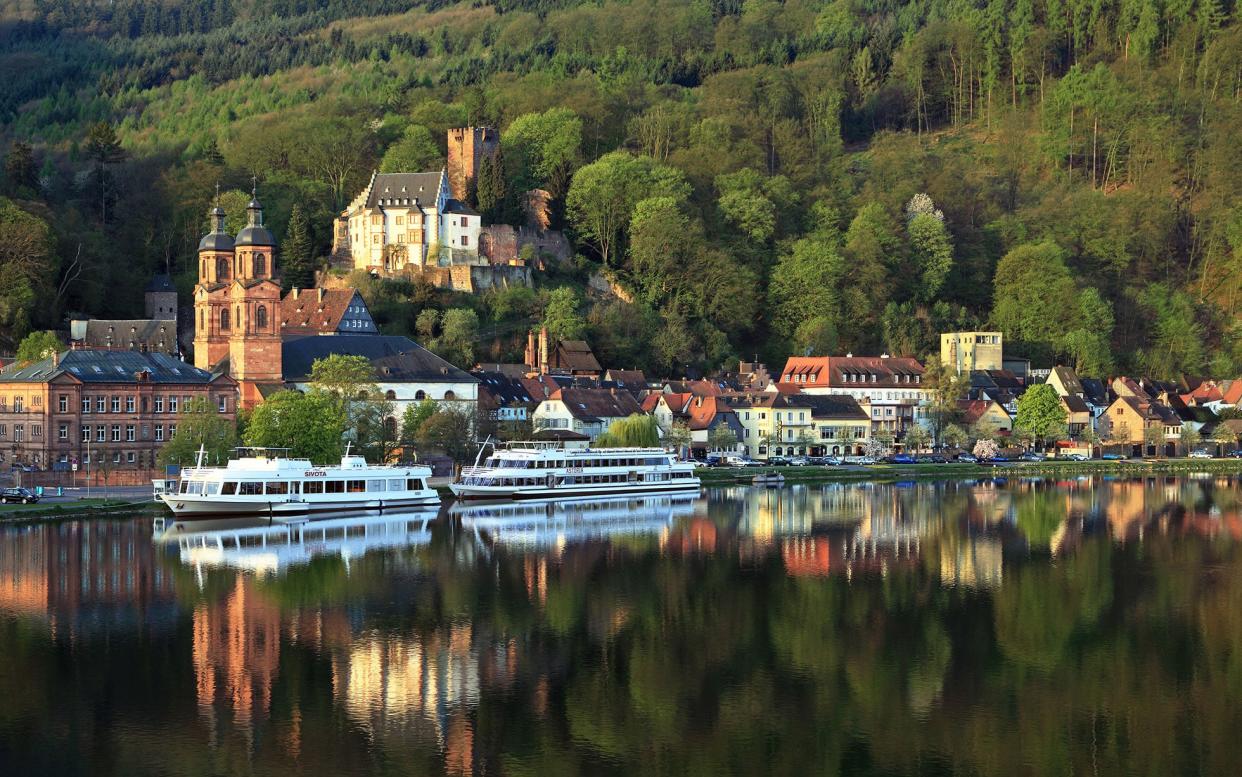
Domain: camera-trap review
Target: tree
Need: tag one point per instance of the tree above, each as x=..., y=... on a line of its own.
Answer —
x=603, y=194
x=805, y=288
x=946, y=387
x=884, y=436
x=298, y=253
x=677, y=437
x=1190, y=437
x=722, y=437
x=310, y=425
x=447, y=430
x=27, y=269
x=350, y=383
x=1223, y=436
x=636, y=431
x=415, y=152
x=413, y=418
x=104, y=149
x=459, y=330
x=561, y=316
x=931, y=244
x=1119, y=434
x=1040, y=412
x=1035, y=296
x=1154, y=436
x=917, y=438
x=954, y=436
x=1090, y=344
x=37, y=346
x=542, y=149
x=19, y=167
x=985, y=450
x=200, y=426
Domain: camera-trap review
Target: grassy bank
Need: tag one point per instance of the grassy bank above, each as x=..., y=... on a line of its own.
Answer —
x=96, y=507
x=891, y=472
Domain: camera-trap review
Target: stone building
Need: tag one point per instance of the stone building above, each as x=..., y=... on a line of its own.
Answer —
x=467, y=148
x=158, y=332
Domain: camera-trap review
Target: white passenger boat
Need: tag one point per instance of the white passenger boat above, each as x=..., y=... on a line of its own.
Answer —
x=538, y=470
x=264, y=481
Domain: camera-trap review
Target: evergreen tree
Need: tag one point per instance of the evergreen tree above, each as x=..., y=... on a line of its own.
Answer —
x=297, y=252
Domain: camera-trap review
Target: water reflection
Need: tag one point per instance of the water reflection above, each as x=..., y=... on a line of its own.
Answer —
x=1028, y=626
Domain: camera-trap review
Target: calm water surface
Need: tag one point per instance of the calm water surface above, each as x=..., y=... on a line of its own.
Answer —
x=1021, y=628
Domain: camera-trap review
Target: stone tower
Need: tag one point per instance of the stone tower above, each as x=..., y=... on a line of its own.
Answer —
x=237, y=304
x=161, y=297
x=467, y=147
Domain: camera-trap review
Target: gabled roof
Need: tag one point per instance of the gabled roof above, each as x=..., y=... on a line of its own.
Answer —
x=1095, y=392
x=325, y=312
x=705, y=412
x=154, y=334
x=459, y=207
x=1206, y=391
x=841, y=407
x=396, y=359
x=1233, y=392
x=650, y=402
x=850, y=371
x=676, y=402
x=699, y=388
x=404, y=190
x=107, y=366
x=1128, y=387
x=575, y=356
x=1068, y=378
x=1075, y=404
x=541, y=387
x=633, y=380
x=504, y=389
x=974, y=409
x=1152, y=411
x=596, y=404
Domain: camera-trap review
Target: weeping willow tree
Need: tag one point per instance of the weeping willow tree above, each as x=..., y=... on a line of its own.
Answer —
x=637, y=431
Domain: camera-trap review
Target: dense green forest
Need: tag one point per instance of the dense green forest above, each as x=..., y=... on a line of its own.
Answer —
x=765, y=177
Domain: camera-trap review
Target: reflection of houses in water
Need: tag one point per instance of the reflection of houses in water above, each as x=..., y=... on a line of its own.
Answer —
x=85, y=576
x=422, y=686
x=236, y=653
x=972, y=562
x=271, y=548
x=821, y=555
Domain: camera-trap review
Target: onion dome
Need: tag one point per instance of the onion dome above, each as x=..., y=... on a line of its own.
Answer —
x=217, y=239
x=254, y=233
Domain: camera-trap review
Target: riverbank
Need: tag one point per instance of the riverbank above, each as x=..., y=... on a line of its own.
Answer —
x=76, y=508
x=884, y=473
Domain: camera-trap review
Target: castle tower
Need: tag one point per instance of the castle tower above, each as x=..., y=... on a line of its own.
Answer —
x=254, y=300
x=212, y=318
x=467, y=146
x=161, y=299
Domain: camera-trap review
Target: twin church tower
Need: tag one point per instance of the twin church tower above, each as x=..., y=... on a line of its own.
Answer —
x=237, y=304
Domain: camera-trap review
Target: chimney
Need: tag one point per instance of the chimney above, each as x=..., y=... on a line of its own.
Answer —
x=55, y=359
x=530, y=350
x=543, y=350
x=294, y=292
x=320, y=290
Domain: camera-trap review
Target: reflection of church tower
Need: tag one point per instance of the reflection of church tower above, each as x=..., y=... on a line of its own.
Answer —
x=237, y=304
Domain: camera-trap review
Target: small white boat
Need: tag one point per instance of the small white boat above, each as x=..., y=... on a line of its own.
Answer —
x=768, y=479
x=538, y=470
x=263, y=481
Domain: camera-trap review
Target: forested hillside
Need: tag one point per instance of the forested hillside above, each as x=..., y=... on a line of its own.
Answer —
x=766, y=177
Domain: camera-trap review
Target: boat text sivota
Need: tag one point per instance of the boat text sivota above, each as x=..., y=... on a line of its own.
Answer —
x=265, y=481
x=536, y=470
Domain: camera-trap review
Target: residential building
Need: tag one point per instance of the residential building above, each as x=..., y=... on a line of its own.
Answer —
x=406, y=220
x=969, y=351
x=779, y=424
x=633, y=381
x=586, y=411
x=503, y=398
x=891, y=388
x=985, y=413
x=157, y=332
x=1129, y=418
x=122, y=405
x=1077, y=415
x=325, y=312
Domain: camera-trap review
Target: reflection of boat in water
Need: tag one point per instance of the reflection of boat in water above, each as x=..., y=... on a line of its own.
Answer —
x=271, y=547
x=552, y=523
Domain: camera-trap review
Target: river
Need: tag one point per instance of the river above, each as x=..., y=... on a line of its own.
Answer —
x=1022, y=627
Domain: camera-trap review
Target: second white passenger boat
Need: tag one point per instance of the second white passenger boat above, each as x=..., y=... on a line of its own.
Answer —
x=538, y=470
x=263, y=481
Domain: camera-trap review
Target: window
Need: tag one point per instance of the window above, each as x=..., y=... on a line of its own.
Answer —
x=130, y=433
x=101, y=433
x=172, y=431
x=465, y=240
x=159, y=404
x=400, y=220
x=172, y=404
x=86, y=432
x=312, y=487
x=116, y=404
x=228, y=488
x=355, y=486
x=223, y=404
x=116, y=458
x=62, y=432
x=375, y=240
x=86, y=404
x=249, y=488
x=129, y=457
x=63, y=403
x=420, y=395
x=334, y=487
x=224, y=318
x=116, y=433
x=260, y=264
x=159, y=432
x=260, y=318
x=36, y=431
x=450, y=395
x=129, y=404
x=146, y=432
x=275, y=487
x=396, y=485
x=17, y=404
x=101, y=404
x=375, y=485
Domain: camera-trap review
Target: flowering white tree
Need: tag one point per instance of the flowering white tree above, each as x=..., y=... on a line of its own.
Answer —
x=986, y=449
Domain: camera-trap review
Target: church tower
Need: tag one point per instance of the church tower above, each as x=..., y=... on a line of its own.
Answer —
x=254, y=341
x=212, y=324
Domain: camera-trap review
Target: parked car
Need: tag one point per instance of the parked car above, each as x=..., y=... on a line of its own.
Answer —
x=1200, y=454
x=1031, y=456
x=778, y=461
x=859, y=460
x=967, y=458
x=799, y=461
x=741, y=461
x=902, y=458
x=1236, y=454
x=20, y=495
x=1076, y=457
x=831, y=461
x=999, y=459
x=1113, y=457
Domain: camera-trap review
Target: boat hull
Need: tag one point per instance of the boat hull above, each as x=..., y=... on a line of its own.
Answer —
x=474, y=493
x=191, y=508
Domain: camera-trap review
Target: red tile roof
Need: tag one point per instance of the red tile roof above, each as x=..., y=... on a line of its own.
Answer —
x=314, y=311
x=850, y=371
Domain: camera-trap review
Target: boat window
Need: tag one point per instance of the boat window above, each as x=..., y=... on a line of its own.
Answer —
x=334, y=486
x=312, y=487
x=213, y=489
x=396, y=485
x=294, y=487
x=250, y=488
x=229, y=488
x=375, y=485
x=274, y=487
x=492, y=461
x=413, y=484
x=355, y=486
x=185, y=487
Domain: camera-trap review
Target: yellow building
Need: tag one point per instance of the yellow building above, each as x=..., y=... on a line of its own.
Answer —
x=776, y=424
x=966, y=351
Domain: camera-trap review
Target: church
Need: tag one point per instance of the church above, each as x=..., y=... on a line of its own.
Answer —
x=246, y=329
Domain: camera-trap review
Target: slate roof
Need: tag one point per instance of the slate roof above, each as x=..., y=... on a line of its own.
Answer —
x=313, y=312
x=161, y=282
x=107, y=366
x=1094, y=391
x=396, y=359
x=1152, y=411
x=1069, y=379
x=504, y=389
x=460, y=208
x=542, y=387
x=559, y=435
x=699, y=388
x=155, y=334
x=594, y=404
x=1075, y=404
x=633, y=380
x=842, y=406
x=401, y=190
